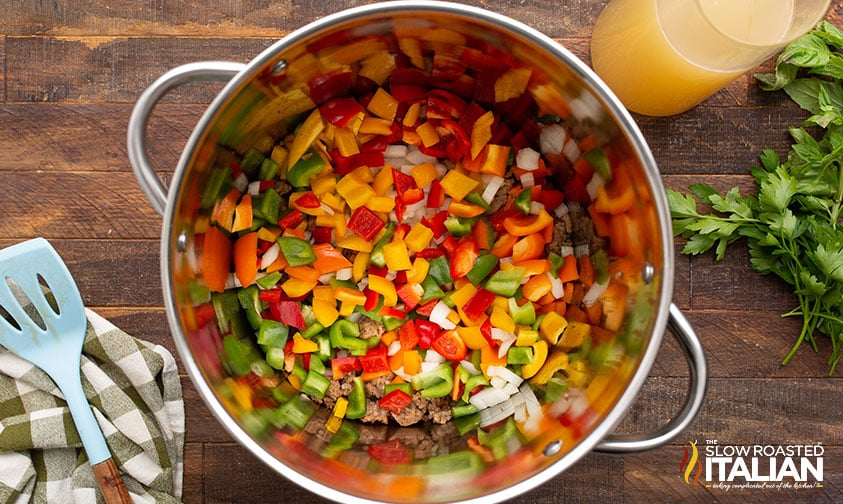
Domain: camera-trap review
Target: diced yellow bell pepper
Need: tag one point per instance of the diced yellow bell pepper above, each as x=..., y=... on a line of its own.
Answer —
x=397, y=256
x=325, y=311
x=412, y=362
x=363, y=173
x=419, y=237
x=359, y=266
x=453, y=317
x=378, y=66
x=305, y=136
x=457, y=185
x=418, y=272
x=424, y=174
x=333, y=201
x=383, y=105
x=578, y=373
x=323, y=184
x=539, y=357
x=428, y=134
x=241, y=393
x=552, y=326
x=279, y=155
x=355, y=191
x=294, y=287
x=269, y=233
x=384, y=287
x=325, y=220
x=501, y=319
x=375, y=126
x=512, y=84
x=411, y=117
x=346, y=142
x=354, y=242
x=340, y=226
x=301, y=345
x=472, y=336
x=557, y=361
x=481, y=132
x=574, y=335
x=383, y=181
x=380, y=204
x=461, y=296
x=325, y=292
x=526, y=336
x=349, y=295
x=412, y=48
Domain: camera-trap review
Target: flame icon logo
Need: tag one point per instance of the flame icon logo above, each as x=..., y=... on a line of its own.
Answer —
x=689, y=463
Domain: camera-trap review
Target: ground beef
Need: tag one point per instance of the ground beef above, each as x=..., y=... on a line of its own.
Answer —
x=338, y=388
x=374, y=413
x=439, y=410
x=282, y=187
x=375, y=388
x=370, y=328
x=413, y=413
x=573, y=229
x=502, y=196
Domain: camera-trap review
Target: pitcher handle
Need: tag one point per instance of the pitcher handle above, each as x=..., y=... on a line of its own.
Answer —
x=698, y=383
x=204, y=71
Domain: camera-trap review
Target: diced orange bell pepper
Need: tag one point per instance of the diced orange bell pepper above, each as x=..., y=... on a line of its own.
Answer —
x=329, y=259
x=529, y=247
x=301, y=345
x=349, y=295
x=383, y=105
x=384, y=287
x=243, y=214
x=463, y=209
x=512, y=83
x=457, y=185
x=383, y=181
x=528, y=224
x=536, y=287
x=304, y=273
x=296, y=288
x=223, y=212
x=428, y=134
x=481, y=132
x=504, y=244
x=418, y=272
x=246, y=258
x=568, y=272
x=492, y=159
x=305, y=136
x=397, y=256
x=325, y=311
x=419, y=237
x=216, y=259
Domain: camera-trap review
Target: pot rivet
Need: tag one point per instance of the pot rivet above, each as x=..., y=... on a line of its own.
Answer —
x=181, y=242
x=552, y=448
x=279, y=67
x=648, y=273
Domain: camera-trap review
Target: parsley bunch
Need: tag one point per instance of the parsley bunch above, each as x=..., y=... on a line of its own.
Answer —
x=793, y=224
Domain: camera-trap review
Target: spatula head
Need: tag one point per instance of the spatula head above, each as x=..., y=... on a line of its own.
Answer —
x=46, y=332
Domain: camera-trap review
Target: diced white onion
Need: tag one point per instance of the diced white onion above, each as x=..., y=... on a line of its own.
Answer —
x=428, y=366
x=344, y=274
x=395, y=151
x=394, y=348
x=597, y=181
x=581, y=250
x=254, y=188
x=468, y=366
x=527, y=159
x=495, y=414
x=552, y=138
x=566, y=250
x=432, y=355
x=232, y=282
x=557, y=286
x=497, y=382
x=534, y=407
x=241, y=182
x=561, y=210
x=536, y=207
x=325, y=208
x=417, y=157
x=439, y=316
x=527, y=180
x=594, y=292
x=487, y=397
x=491, y=189
x=270, y=256
x=326, y=278
x=504, y=373
x=571, y=150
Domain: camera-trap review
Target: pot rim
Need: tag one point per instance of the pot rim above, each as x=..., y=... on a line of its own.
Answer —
x=608, y=100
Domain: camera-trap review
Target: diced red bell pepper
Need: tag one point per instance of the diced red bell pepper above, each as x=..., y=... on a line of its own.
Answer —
x=406, y=188
x=427, y=308
x=308, y=200
x=365, y=223
x=459, y=143
x=408, y=336
x=551, y=199
x=287, y=312
x=436, y=195
x=478, y=304
x=395, y=401
x=204, y=314
x=408, y=75
x=372, y=299
x=442, y=104
x=291, y=219
x=486, y=332
x=410, y=294
x=390, y=452
x=377, y=144
x=497, y=218
x=340, y=111
x=427, y=331
x=380, y=271
x=449, y=345
x=576, y=190
x=375, y=361
x=446, y=68
x=470, y=116
x=463, y=86
x=329, y=85
x=463, y=258
x=271, y=295
x=449, y=244
x=391, y=311
x=430, y=253
x=322, y=234
x=340, y=366
x=347, y=164
x=399, y=209
x=436, y=222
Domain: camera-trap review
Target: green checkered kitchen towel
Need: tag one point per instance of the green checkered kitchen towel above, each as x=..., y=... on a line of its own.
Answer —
x=134, y=388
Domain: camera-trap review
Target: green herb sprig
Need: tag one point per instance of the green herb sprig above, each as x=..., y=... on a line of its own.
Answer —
x=793, y=224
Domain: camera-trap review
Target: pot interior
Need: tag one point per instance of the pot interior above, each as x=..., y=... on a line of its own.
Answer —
x=529, y=83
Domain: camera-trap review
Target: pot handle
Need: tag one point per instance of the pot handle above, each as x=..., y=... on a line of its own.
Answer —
x=205, y=71
x=698, y=382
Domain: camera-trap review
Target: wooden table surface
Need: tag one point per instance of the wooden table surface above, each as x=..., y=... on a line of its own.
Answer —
x=71, y=71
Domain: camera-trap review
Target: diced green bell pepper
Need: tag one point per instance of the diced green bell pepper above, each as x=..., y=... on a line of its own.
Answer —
x=267, y=205
x=522, y=201
x=439, y=270
x=519, y=355
x=251, y=162
x=315, y=383
x=273, y=334
x=482, y=267
x=296, y=412
x=237, y=360
x=437, y=382
x=310, y=165
x=506, y=282
x=346, y=334
x=356, y=399
x=458, y=226
x=524, y=314
x=296, y=251
x=268, y=170
x=376, y=257
x=251, y=304
x=269, y=281
x=219, y=182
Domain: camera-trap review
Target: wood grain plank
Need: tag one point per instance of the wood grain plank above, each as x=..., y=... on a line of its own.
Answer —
x=75, y=205
x=89, y=137
x=193, y=483
x=113, y=69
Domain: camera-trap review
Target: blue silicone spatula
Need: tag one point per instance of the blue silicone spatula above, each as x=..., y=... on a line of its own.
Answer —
x=50, y=337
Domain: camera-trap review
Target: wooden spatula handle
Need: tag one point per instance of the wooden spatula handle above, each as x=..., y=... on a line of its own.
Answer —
x=111, y=483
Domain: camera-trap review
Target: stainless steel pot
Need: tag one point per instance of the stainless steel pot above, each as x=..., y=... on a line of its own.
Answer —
x=569, y=88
